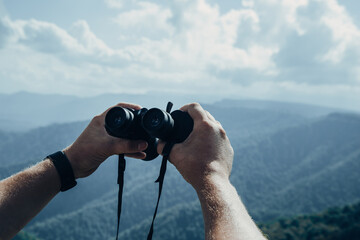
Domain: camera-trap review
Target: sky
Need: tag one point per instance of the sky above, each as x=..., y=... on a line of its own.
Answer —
x=299, y=51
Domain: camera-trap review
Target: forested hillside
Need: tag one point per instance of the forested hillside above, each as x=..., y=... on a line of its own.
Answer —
x=24, y=236
x=333, y=224
x=285, y=164
x=337, y=223
x=301, y=169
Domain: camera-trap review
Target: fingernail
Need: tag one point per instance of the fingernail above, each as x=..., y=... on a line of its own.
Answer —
x=142, y=146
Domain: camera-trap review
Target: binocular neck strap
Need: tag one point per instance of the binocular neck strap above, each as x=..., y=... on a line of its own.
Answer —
x=121, y=169
x=160, y=180
x=120, y=181
x=166, y=152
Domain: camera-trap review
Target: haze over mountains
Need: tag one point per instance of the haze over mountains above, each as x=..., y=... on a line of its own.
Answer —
x=24, y=111
x=290, y=159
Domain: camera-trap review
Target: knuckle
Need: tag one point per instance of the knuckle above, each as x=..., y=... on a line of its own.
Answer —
x=128, y=145
x=231, y=150
x=206, y=125
x=222, y=132
x=97, y=120
x=194, y=105
x=121, y=104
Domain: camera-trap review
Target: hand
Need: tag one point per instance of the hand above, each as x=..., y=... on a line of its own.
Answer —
x=206, y=153
x=95, y=145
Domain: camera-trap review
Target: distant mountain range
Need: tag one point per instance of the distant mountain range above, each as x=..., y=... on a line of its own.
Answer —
x=289, y=160
x=24, y=111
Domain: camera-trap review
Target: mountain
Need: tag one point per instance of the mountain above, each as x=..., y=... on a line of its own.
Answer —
x=20, y=150
x=24, y=111
x=336, y=223
x=277, y=106
x=302, y=169
x=24, y=236
x=287, y=162
x=297, y=170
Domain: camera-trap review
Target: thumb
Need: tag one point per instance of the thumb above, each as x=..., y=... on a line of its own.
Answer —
x=129, y=146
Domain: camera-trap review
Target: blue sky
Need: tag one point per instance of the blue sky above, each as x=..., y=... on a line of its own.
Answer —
x=304, y=51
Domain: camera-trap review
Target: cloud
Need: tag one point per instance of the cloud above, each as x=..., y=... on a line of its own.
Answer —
x=77, y=45
x=147, y=17
x=88, y=40
x=46, y=37
x=345, y=34
x=4, y=33
x=279, y=49
x=326, y=52
x=197, y=36
x=114, y=3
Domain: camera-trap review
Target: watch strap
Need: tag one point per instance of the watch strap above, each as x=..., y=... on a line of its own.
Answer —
x=64, y=169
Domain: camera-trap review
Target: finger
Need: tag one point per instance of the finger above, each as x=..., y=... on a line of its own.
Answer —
x=211, y=117
x=121, y=145
x=124, y=105
x=195, y=111
x=129, y=105
x=160, y=147
x=138, y=155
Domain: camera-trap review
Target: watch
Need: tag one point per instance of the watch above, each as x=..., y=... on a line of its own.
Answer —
x=64, y=169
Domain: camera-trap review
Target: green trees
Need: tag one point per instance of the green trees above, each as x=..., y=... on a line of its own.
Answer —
x=24, y=236
x=332, y=224
x=279, y=171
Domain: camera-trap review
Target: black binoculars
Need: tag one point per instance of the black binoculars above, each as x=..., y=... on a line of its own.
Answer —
x=149, y=125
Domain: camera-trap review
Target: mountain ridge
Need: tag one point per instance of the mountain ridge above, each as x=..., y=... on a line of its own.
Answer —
x=260, y=194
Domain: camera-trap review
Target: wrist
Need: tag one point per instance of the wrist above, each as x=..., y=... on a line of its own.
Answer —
x=72, y=159
x=48, y=166
x=64, y=169
x=212, y=183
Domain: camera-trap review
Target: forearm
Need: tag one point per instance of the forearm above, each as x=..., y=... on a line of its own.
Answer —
x=23, y=195
x=225, y=216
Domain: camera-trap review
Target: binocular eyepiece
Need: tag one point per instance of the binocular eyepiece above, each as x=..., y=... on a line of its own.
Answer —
x=149, y=125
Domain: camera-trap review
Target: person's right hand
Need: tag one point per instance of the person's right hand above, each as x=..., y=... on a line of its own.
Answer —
x=206, y=153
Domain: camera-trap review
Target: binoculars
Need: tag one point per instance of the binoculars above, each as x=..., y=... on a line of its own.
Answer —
x=149, y=125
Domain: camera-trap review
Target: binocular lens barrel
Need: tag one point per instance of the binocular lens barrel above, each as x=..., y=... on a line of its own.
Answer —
x=149, y=125
x=158, y=123
x=118, y=119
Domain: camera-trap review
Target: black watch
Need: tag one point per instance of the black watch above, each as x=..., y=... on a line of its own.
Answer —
x=64, y=169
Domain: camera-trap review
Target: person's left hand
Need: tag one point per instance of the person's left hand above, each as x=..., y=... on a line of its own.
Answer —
x=95, y=145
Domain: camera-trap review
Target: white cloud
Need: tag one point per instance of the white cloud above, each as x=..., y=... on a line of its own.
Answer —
x=146, y=17
x=77, y=45
x=291, y=7
x=42, y=36
x=4, y=33
x=345, y=33
x=84, y=36
x=114, y=3
x=279, y=49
